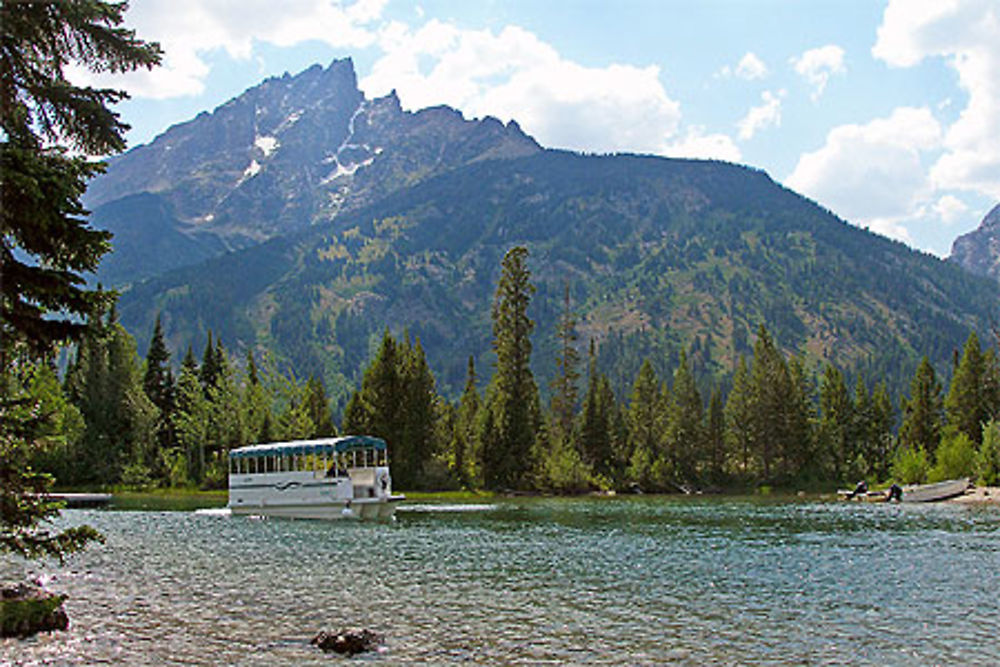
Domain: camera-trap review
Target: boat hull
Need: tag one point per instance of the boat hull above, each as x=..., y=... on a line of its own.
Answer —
x=929, y=493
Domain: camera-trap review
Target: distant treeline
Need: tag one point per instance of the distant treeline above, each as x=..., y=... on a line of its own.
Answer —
x=778, y=422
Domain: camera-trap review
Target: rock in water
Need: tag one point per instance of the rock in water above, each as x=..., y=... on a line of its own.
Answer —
x=27, y=609
x=347, y=642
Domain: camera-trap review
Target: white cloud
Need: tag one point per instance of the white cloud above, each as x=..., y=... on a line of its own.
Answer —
x=515, y=75
x=949, y=209
x=189, y=29
x=767, y=114
x=749, y=67
x=873, y=174
x=966, y=33
x=818, y=65
x=696, y=144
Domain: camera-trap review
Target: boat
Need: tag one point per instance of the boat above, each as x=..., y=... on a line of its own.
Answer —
x=329, y=478
x=929, y=493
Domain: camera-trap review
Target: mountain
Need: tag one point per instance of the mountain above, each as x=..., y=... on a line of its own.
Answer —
x=303, y=220
x=979, y=250
x=291, y=152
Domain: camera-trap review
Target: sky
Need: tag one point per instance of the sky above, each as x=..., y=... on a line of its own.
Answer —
x=886, y=112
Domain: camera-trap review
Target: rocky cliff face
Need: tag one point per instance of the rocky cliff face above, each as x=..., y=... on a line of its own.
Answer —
x=286, y=154
x=979, y=250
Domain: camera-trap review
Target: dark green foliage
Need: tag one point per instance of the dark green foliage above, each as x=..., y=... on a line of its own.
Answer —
x=318, y=407
x=44, y=300
x=651, y=273
x=922, y=411
x=396, y=402
x=512, y=397
x=967, y=404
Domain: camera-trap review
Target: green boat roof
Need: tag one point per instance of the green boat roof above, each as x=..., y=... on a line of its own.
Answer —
x=323, y=446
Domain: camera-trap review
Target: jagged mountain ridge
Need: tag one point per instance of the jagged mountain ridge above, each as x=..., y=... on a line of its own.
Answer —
x=288, y=153
x=979, y=250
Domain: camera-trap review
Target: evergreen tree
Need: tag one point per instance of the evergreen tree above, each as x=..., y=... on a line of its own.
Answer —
x=318, y=407
x=158, y=383
x=106, y=385
x=715, y=438
x=966, y=405
x=882, y=426
x=45, y=242
x=512, y=397
x=418, y=444
x=190, y=418
x=565, y=383
x=771, y=387
x=465, y=450
x=741, y=432
x=645, y=426
x=836, y=417
x=684, y=437
x=595, y=423
x=923, y=411
x=800, y=454
x=209, y=365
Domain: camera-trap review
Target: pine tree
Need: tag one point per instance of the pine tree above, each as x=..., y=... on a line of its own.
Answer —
x=318, y=407
x=465, y=450
x=45, y=242
x=715, y=438
x=595, y=422
x=645, y=425
x=512, y=397
x=684, y=436
x=966, y=405
x=835, y=422
x=190, y=418
x=209, y=365
x=158, y=383
x=923, y=411
x=883, y=424
x=741, y=432
x=800, y=454
x=565, y=383
x=771, y=387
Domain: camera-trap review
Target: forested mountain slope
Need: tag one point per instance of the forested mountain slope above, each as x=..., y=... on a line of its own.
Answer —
x=658, y=253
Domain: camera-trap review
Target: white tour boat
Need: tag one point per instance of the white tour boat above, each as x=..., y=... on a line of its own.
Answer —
x=330, y=478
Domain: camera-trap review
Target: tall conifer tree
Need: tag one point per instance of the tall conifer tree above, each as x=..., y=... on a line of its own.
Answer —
x=922, y=411
x=512, y=397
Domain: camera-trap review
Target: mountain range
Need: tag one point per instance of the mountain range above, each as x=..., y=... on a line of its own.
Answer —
x=303, y=219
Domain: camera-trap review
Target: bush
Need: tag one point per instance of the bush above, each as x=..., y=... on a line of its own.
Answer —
x=988, y=456
x=910, y=466
x=956, y=457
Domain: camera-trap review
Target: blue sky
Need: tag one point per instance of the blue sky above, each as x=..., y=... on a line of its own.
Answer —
x=885, y=111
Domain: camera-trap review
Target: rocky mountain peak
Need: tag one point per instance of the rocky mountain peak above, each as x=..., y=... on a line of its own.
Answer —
x=288, y=153
x=979, y=250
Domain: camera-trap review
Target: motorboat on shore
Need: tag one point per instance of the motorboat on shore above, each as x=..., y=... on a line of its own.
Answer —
x=914, y=493
x=929, y=493
x=330, y=478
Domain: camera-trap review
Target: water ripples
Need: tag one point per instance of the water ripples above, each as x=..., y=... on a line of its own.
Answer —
x=538, y=581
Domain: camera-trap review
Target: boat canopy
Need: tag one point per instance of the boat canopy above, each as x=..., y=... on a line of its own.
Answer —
x=304, y=447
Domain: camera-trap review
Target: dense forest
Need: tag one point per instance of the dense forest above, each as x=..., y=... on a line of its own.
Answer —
x=122, y=420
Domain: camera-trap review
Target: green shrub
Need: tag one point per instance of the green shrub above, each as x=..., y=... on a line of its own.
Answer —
x=956, y=457
x=910, y=466
x=988, y=456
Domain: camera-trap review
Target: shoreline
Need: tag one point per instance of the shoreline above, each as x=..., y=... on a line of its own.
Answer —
x=979, y=495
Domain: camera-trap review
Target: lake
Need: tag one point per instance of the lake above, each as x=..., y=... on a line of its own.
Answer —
x=638, y=580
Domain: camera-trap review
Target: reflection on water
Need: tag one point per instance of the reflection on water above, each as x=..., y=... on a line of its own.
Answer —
x=537, y=581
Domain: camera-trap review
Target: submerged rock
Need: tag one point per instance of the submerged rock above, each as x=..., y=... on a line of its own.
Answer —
x=347, y=642
x=27, y=609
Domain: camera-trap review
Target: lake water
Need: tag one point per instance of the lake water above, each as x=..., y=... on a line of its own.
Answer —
x=537, y=581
